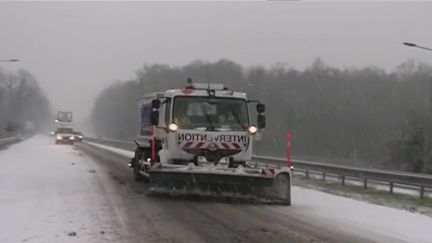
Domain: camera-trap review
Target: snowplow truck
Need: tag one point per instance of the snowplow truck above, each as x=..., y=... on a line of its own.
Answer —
x=198, y=140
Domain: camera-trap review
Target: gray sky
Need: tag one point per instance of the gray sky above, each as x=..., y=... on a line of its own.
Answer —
x=77, y=49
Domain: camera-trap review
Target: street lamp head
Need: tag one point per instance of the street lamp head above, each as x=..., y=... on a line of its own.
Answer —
x=9, y=60
x=417, y=46
x=409, y=44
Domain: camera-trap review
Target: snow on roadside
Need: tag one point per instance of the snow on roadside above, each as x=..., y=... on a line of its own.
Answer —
x=360, y=217
x=51, y=193
x=123, y=152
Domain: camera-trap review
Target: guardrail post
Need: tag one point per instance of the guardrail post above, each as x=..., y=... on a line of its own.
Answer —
x=422, y=191
x=343, y=180
x=365, y=183
x=324, y=176
x=307, y=174
x=391, y=187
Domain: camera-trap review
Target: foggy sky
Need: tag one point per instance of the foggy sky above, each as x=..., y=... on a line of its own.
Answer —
x=77, y=49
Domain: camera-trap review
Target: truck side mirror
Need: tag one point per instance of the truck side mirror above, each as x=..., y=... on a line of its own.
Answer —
x=156, y=104
x=260, y=108
x=261, y=121
x=154, y=117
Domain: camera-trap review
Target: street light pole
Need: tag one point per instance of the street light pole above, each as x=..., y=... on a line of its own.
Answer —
x=410, y=44
x=9, y=127
x=420, y=130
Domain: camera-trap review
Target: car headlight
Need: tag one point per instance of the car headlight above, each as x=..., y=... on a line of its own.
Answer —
x=71, y=138
x=59, y=137
x=252, y=129
x=173, y=127
x=80, y=136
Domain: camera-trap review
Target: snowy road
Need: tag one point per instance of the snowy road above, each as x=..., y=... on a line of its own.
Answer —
x=54, y=193
x=48, y=192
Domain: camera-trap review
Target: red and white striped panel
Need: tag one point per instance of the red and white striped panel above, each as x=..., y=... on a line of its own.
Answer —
x=212, y=145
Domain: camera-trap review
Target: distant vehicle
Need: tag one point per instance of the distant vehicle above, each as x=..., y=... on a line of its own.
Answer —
x=64, y=135
x=78, y=136
x=64, y=117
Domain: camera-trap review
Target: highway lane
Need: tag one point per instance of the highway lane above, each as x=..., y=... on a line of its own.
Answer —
x=194, y=220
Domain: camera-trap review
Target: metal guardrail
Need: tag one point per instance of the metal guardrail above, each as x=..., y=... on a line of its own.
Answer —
x=9, y=140
x=394, y=178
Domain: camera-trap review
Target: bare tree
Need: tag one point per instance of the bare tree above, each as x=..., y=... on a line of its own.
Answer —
x=357, y=116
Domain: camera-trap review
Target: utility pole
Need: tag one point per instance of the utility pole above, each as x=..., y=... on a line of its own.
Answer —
x=10, y=127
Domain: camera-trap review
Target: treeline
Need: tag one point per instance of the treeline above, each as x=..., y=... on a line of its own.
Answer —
x=358, y=116
x=24, y=107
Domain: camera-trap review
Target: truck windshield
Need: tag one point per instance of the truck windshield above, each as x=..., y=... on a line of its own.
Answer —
x=210, y=113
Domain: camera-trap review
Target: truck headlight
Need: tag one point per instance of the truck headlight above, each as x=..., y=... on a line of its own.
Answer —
x=80, y=136
x=72, y=138
x=252, y=129
x=59, y=137
x=173, y=127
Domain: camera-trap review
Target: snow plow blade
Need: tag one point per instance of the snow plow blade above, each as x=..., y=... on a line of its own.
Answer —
x=225, y=183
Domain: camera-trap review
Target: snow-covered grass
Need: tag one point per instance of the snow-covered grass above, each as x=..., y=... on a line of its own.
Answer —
x=49, y=191
x=123, y=152
x=400, y=199
x=360, y=217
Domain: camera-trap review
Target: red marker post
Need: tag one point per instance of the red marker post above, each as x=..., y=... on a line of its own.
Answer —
x=288, y=137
